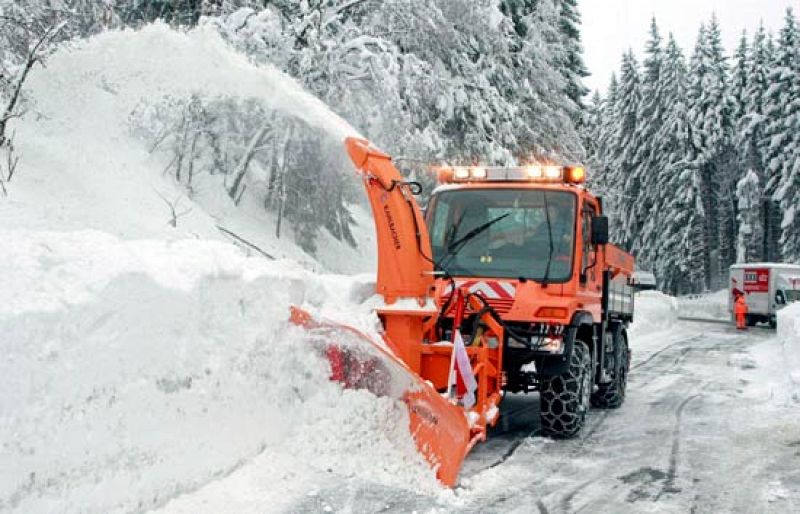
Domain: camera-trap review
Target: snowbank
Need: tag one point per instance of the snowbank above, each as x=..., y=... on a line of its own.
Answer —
x=789, y=324
x=134, y=371
x=710, y=306
x=653, y=312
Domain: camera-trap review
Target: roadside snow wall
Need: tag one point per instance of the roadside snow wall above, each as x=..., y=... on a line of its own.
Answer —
x=709, y=306
x=133, y=371
x=789, y=324
x=653, y=312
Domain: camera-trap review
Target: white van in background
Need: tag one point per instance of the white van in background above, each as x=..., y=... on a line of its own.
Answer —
x=767, y=287
x=643, y=281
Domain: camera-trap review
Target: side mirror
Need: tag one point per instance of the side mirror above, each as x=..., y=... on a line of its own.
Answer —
x=599, y=230
x=780, y=299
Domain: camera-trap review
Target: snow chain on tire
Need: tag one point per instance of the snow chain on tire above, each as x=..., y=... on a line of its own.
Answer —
x=611, y=395
x=565, y=398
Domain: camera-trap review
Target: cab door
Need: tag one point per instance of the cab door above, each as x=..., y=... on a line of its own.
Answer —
x=590, y=274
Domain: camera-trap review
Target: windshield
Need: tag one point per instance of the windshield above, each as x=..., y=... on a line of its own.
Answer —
x=516, y=245
x=788, y=288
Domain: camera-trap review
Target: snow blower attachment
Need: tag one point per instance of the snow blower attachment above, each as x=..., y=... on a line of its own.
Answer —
x=419, y=369
x=518, y=290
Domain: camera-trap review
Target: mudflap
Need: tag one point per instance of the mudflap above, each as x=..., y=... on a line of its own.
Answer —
x=440, y=429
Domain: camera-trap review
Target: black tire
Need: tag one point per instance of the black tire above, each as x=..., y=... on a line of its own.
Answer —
x=564, y=399
x=749, y=320
x=612, y=395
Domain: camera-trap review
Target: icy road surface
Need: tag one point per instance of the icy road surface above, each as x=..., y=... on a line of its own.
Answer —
x=710, y=424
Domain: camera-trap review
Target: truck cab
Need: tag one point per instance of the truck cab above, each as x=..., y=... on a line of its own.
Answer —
x=533, y=243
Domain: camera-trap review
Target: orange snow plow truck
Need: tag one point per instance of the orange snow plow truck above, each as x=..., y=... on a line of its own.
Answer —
x=508, y=285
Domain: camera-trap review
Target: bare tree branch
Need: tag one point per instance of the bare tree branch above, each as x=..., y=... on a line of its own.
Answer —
x=10, y=165
x=173, y=209
x=34, y=56
x=245, y=242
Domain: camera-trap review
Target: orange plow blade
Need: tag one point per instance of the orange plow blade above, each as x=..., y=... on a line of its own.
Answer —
x=440, y=429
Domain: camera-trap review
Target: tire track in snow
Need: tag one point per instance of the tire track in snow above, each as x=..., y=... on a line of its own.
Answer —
x=518, y=440
x=672, y=470
x=655, y=354
x=667, y=360
x=566, y=501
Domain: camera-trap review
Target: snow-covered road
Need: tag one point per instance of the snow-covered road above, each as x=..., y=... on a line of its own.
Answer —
x=709, y=425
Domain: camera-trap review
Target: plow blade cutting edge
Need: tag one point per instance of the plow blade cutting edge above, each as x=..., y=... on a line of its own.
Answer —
x=440, y=429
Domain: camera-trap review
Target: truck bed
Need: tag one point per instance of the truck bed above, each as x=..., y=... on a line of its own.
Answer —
x=617, y=293
x=620, y=299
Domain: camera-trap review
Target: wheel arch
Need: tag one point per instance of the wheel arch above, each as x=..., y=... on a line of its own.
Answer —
x=581, y=326
x=584, y=329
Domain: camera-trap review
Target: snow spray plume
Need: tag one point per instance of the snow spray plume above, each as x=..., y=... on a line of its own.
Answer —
x=157, y=61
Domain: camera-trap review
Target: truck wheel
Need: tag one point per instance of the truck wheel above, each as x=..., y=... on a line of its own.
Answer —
x=612, y=395
x=564, y=398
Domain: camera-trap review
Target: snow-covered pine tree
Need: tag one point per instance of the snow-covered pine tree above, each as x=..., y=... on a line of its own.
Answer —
x=591, y=128
x=546, y=115
x=711, y=118
x=679, y=243
x=787, y=193
x=751, y=119
x=653, y=112
x=573, y=68
x=782, y=93
x=725, y=172
x=603, y=177
x=739, y=78
x=626, y=159
x=752, y=126
x=749, y=243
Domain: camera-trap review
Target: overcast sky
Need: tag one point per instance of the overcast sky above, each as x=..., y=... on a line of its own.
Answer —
x=610, y=27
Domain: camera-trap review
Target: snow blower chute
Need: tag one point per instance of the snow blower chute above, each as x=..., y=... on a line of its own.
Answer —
x=446, y=418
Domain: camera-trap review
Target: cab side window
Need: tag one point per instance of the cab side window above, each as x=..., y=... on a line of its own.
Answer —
x=589, y=256
x=437, y=232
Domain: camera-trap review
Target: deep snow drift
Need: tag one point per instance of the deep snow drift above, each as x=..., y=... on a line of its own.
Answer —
x=135, y=371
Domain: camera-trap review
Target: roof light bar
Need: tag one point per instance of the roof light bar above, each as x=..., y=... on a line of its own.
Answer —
x=530, y=173
x=553, y=172
x=478, y=173
x=461, y=173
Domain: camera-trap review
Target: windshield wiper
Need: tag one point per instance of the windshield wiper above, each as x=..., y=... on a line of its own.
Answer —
x=550, y=237
x=456, y=246
x=453, y=230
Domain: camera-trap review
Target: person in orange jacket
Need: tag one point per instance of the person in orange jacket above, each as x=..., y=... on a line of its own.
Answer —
x=740, y=309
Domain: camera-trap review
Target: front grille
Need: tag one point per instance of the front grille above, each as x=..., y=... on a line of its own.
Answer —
x=499, y=306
